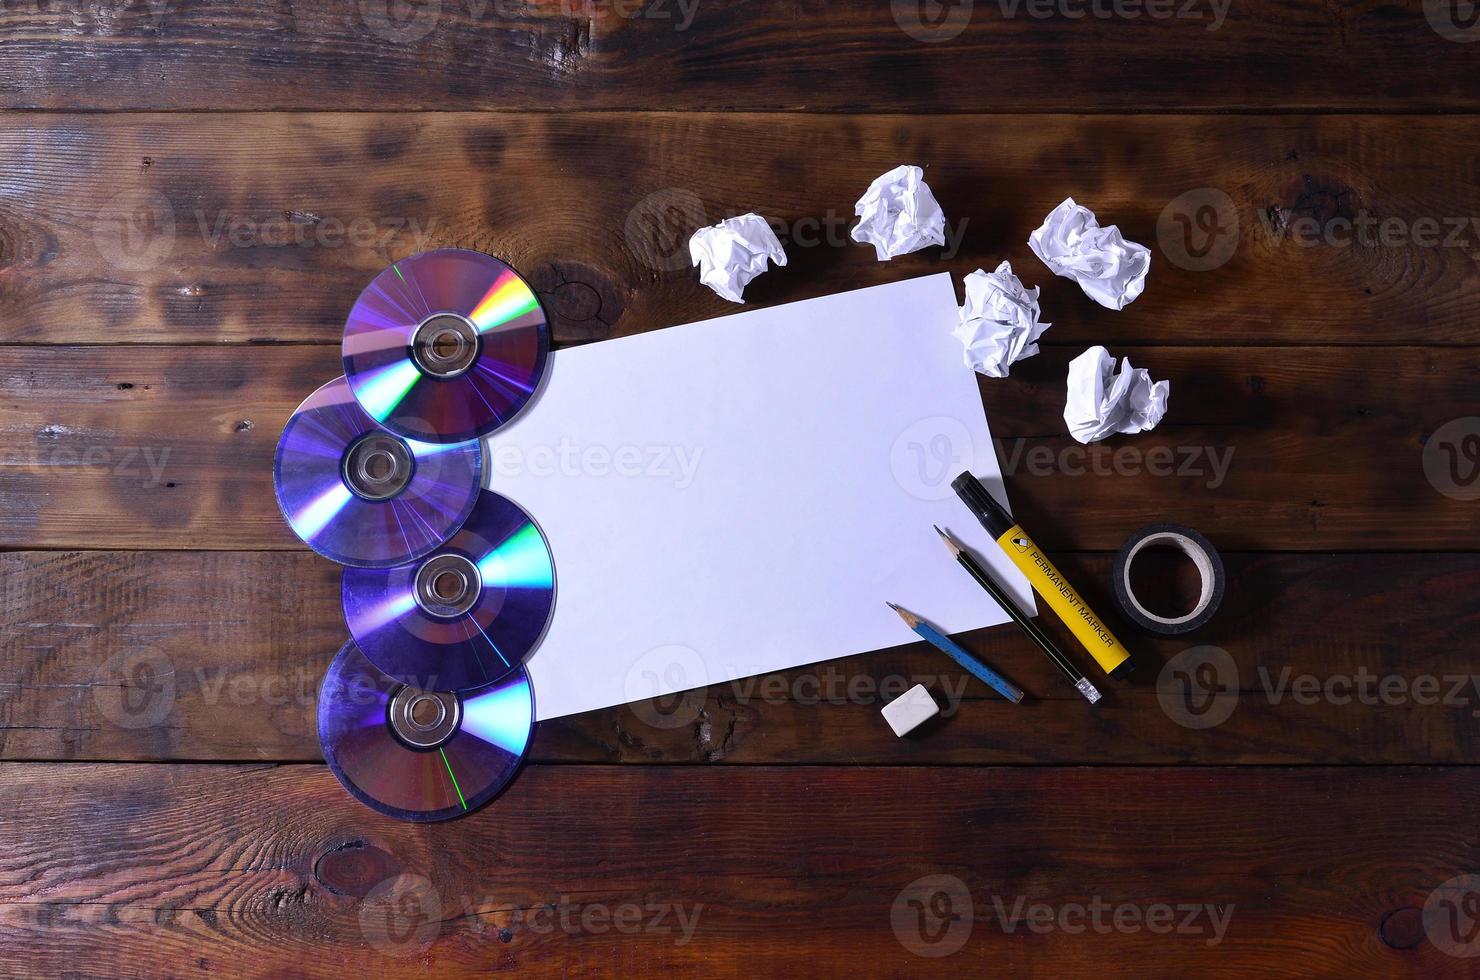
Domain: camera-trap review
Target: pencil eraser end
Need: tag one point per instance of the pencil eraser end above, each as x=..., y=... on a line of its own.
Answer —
x=910, y=710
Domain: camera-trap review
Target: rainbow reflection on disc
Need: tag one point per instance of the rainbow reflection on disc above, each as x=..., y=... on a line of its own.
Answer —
x=445, y=346
x=464, y=615
x=363, y=496
x=421, y=755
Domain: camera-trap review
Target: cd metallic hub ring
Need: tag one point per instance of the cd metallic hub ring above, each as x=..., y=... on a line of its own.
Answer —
x=424, y=719
x=448, y=585
x=377, y=466
x=445, y=345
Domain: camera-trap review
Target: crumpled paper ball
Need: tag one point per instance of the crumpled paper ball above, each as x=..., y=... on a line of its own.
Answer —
x=999, y=323
x=898, y=214
x=732, y=253
x=1102, y=402
x=1110, y=270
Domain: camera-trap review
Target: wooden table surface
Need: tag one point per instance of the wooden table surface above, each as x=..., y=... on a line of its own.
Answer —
x=192, y=193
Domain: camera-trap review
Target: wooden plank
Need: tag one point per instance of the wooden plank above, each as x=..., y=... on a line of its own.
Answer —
x=218, y=656
x=1067, y=55
x=149, y=448
x=209, y=228
x=165, y=655
x=267, y=871
x=1263, y=448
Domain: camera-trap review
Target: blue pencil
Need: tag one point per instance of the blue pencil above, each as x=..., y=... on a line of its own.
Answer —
x=973, y=666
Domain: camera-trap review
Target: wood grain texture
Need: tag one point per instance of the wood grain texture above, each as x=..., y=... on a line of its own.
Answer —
x=735, y=54
x=227, y=228
x=146, y=655
x=148, y=446
x=193, y=192
x=271, y=870
x=1266, y=448
x=218, y=656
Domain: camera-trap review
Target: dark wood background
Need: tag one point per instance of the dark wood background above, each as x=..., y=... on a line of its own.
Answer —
x=192, y=194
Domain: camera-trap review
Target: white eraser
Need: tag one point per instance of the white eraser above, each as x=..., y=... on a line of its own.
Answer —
x=910, y=710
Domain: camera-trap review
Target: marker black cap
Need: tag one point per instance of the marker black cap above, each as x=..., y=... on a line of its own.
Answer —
x=993, y=517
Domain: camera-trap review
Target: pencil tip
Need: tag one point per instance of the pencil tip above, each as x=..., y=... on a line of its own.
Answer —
x=910, y=619
x=950, y=542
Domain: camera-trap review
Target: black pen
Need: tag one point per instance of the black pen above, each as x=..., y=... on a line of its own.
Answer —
x=1081, y=683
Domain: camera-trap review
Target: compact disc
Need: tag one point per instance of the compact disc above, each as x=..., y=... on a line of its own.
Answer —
x=364, y=496
x=464, y=615
x=445, y=346
x=421, y=755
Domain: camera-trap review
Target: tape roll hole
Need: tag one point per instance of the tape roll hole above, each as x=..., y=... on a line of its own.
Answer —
x=1166, y=581
x=1169, y=578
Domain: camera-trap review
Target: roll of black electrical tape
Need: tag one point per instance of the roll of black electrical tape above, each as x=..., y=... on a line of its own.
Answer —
x=1203, y=555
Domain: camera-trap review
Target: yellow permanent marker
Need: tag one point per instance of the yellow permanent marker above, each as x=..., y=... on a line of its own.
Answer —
x=1046, y=580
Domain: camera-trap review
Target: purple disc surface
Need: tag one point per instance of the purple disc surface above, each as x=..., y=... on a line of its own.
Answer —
x=363, y=496
x=465, y=755
x=463, y=616
x=445, y=346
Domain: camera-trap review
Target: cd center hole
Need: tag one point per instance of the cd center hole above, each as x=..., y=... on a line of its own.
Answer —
x=1166, y=581
x=379, y=466
x=446, y=345
x=449, y=586
x=426, y=712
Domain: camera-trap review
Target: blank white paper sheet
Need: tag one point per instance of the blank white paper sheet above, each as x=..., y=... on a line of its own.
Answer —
x=742, y=495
